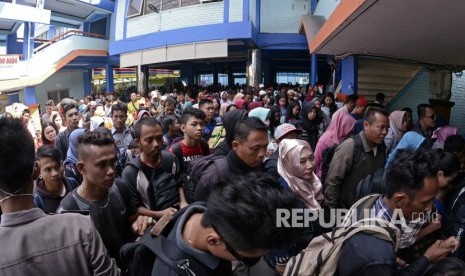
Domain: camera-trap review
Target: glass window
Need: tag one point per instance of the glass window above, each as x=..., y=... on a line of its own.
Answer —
x=185, y=3
x=205, y=79
x=223, y=79
x=169, y=4
x=152, y=6
x=293, y=77
x=134, y=8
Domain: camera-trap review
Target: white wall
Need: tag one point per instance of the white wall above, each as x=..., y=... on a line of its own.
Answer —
x=282, y=16
x=458, y=96
x=190, y=16
x=235, y=10
x=253, y=11
x=326, y=7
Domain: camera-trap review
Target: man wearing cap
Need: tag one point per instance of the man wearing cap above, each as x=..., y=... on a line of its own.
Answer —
x=284, y=131
x=359, y=110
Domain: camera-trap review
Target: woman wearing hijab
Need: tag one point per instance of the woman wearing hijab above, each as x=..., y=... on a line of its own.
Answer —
x=410, y=140
x=296, y=166
x=275, y=116
x=231, y=119
x=340, y=128
x=261, y=113
x=397, y=127
x=312, y=124
x=239, y=103
x=441, y=134
x=72, y=159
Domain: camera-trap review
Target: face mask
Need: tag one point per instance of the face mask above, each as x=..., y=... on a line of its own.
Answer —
x=295, y=98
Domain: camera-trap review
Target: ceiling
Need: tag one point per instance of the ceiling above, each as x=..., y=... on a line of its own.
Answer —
x=428, y=31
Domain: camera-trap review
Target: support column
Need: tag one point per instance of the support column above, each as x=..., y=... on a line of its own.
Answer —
x=142, y=79
x=349, y=75
x=215, y=74
x=314, y=70
x=230, y=77
x=12, y=46
x=87, y=82
x=253, y=70
x=28, y=40
x=187, y=74
x=30, y=95
x=51, y=32
x=266, y=73
x=86, y=27
x=110, y=81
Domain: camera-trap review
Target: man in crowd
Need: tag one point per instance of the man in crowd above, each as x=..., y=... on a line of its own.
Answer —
x=206, y=106
x=148, y=166
x=355, y=158
x=133, y=105
x=247, y=155
x=426, y=122
x=108, y=201
x=121, y=134
x=169, y=109
x=47, y=116
x=412, y=185
x=71, y=121
x=50, y=244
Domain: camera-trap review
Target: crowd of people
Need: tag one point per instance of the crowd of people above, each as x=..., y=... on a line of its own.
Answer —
x=198, y=178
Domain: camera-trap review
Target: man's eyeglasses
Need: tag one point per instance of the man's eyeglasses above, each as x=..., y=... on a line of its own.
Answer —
x=242, y=260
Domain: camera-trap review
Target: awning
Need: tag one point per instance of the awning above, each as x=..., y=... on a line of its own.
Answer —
x=429, y=31
x=310, y=25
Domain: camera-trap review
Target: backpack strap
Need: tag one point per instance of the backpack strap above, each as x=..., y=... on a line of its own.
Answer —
x=169, y=163
x=177, y=151
x=358, y=148
x=205, y=147
x=221, y=166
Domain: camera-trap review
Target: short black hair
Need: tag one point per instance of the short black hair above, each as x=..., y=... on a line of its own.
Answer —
x=167, y=122
x=192, y=112
x=380, y=96
x=68, y=104
x=246, y=126
x=408, y=171
x=205, y=101
x=146, y=121
x=448, y=162
x=50, y=152
x=352, y=98
x=119, y=106
x=17, y=155
x=421, y=109
x=243, y=209
x=170, y=101
x=371, y=112
x=448, y=266
x=95, y=138
x=454, y=143
x=26, y=111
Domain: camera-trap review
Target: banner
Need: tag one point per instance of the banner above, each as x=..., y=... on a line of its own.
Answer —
x=9, y=67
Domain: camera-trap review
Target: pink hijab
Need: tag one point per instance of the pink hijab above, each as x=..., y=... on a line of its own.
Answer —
x=289, y=169
x=341, y=127
x=239, y=103
x=442, y=133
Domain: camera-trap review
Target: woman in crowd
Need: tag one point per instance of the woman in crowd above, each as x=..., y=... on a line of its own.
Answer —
x=282, y=102
x=312, y=124
x=275, y=116
x=262, y=113
x=49, y=132
x=397, y=127
x=72, y=159
x=339, y=129
x=441, y=134
x=231, y=119
x=58, y=122
x=296, y=166
x=329, y=104
x=410, y=140
x=292, y=114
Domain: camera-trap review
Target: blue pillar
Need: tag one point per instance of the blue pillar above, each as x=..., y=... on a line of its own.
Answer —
x=13, y=98
x=86, y=27
x=257, y=15
x=87, y=83
x=314, y=70
x=349, y=75
x=28, y=40
x=108, y=27
x=12, y=45
x=245, y=10
x=226, y=11
x=109, y=79
x=51, y=32
x=215, y=74
x=30, y=95
x=313, y=5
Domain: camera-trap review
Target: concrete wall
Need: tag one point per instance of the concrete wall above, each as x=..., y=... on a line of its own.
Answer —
x=190, y=16
x=282, y=16
x=458, y=96
x=72, y=80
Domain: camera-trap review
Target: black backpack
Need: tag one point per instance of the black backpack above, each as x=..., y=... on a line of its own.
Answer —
x=328, y=154
x=140, y=256
x=176, y=150
x=374, y=183
x=196, y=169
x=162, y=190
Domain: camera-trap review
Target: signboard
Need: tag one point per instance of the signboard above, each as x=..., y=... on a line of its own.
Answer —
x=9, y=67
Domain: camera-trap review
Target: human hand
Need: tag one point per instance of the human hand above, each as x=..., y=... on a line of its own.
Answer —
x=440, y=249
x=142, y=222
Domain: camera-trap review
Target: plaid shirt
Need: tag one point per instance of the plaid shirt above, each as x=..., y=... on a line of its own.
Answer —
x=408, y=229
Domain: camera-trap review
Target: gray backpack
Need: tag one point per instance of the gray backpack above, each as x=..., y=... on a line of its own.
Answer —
x=322, y=254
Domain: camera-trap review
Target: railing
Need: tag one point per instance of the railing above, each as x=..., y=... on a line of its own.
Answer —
x=65, y=35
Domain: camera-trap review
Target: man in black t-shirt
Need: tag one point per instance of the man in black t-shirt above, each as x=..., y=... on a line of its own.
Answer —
x=109, y=205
